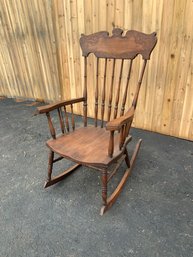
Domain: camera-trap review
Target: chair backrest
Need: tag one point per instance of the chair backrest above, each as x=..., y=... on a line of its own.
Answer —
x=115, y=47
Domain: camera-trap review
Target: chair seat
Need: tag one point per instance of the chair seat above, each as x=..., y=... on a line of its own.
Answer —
x=87, y=145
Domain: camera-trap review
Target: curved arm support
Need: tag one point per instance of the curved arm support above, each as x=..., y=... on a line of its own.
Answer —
x=116, y=124
x=121, y=124
x=64, y=124
x=51, y=107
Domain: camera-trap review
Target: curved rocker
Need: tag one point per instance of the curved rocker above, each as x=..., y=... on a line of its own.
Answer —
x=112, y=198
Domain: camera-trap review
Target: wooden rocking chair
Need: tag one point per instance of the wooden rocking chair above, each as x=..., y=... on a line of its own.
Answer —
x=95, y=146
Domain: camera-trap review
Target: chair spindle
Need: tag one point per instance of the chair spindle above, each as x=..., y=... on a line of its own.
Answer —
x=85, y=92
x=61, y=119
x=134, y=103
x=127, y=129
x=122, y=137
x=72, y=117
x=111, y=91
x=66, y=119
x=51, y=126
x=103, y=94
x=97, y=92
x=118, y=89
x=126, y=89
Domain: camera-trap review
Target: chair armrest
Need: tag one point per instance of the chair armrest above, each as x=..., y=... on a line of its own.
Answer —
x=117, y=123
x=51, y=107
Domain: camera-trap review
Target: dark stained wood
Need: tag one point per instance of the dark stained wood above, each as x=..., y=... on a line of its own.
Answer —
x=103, y=94
x=134, y=103
x=118, y=90
x=50, y=165
x=61, y=119
x=127, y=159
x=116, y=168
x=51, y=126
x=97, y=92
x=66, y=119
x=122, y=136
x=97, y=147
x=126, y=89
x=111, y=144
x=112, y=198
x=127, y=127
x=58, y=159
x=51, y=107
x=85, y=92
x=104, y=187
x=111, y=91
x=72, y=117
x=61, y=176
x=117, y=123
x=84, y=146
x=118, y=46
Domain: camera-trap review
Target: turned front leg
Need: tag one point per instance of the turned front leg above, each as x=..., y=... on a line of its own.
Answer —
x=104, y=187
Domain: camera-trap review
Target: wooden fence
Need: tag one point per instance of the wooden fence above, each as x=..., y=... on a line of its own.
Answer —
x=40, y=56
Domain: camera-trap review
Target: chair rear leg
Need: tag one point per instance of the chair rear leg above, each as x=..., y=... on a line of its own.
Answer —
x=127, y=160
x=50, y=165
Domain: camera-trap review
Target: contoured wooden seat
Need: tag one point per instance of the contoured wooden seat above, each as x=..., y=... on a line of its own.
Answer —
x=104, y=145
x=85, y=146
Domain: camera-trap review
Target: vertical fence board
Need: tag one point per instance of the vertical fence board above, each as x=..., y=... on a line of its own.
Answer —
x=40, y=57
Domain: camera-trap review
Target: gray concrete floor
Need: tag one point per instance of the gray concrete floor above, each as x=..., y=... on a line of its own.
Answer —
x=152, y=217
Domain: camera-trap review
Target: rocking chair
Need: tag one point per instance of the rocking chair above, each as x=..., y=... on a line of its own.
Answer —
x=100, y=147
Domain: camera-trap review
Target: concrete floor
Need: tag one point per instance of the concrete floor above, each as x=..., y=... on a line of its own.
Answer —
x=152, y=217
